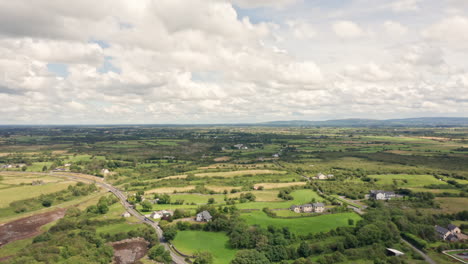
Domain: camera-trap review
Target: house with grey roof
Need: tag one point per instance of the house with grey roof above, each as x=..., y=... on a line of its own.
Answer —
x=318, y=207
x=308, y=208
x=204, y=216
x=452, y=234
x=381, y=195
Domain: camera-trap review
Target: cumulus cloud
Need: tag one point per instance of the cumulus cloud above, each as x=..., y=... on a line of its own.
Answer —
x=452, y=31
x=347, y=29
x=172, y=61
x=405, y=5
x=263, y=3
x=395, y=29
x=301, y=29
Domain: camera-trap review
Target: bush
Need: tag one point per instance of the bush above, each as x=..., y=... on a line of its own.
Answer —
x=159, y=254
x=203, y=258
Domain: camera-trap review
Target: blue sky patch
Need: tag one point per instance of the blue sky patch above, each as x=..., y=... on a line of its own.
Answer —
x=60, y=69
x=107, y=66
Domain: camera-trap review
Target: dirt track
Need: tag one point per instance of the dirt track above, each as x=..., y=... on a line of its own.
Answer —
x=27, y=227
x=129, y=250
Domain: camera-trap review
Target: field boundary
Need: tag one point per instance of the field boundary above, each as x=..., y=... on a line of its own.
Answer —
x=452, y=256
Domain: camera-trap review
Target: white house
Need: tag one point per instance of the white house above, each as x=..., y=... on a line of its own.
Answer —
x=308, y=208
x=155, y=215
x=204, y=216
x=381, y=195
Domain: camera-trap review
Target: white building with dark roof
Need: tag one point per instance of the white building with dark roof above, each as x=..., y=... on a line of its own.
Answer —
x=381, y=195
x=204, y=216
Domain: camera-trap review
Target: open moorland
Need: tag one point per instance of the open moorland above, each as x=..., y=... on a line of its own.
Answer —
x=248, y=179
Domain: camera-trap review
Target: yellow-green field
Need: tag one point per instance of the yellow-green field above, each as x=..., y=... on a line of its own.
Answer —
x=452, y=204
x=238, y=173
x=28, y=191
x=273, y=185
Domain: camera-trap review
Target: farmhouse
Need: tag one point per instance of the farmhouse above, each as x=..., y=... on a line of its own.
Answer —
x=321, y=176
x=204, y=216
x=156, y=215
x=452, y=234
x=381, y=195
x=308, y=208
x=318, y=207
x=240, y=146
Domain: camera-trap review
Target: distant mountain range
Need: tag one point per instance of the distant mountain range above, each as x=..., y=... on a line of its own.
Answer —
x=420, y=122
x=353, y=122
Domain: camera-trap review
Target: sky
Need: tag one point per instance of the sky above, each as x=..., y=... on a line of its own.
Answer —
x=231, y=61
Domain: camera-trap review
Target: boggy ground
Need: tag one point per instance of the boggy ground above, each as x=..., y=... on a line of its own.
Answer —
x=129, y=250
x=27, y=227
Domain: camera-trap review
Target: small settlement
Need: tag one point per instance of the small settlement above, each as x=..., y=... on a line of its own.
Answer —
x=452, y=233
x=308, y=208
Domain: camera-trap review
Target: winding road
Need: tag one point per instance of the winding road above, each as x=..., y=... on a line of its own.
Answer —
x=176, y=258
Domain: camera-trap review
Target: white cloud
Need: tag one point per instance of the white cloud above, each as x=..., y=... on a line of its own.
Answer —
x=263, y=3
x=166, y=61
x=347, y=29
x=301, y=29
x=395, y=29
x=451, y=31
x=405, y=5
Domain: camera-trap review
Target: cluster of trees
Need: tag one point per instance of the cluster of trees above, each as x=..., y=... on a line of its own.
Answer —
x=160, y=254
x=286, y=194
x=379, y=229
x=102, y=206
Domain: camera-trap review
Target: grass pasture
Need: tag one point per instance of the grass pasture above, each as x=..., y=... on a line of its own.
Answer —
x=189, y=242
x=117, y=228
x=277, y=185
x=171, y=189
x=228, y=174
x=412, y=180
x=452, y=204
x=16, y=179
x=302, y=225
x=9, y=195
x=300, y=197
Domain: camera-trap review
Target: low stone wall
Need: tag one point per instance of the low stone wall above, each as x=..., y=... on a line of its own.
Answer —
x=179, y=252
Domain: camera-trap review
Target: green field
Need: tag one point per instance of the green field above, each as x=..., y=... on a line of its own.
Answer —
x=189, y=242
x=303, y=225
x=117, y=228
x=238, y=173
x=300, y=197
x=28, y=191
x=412, y=180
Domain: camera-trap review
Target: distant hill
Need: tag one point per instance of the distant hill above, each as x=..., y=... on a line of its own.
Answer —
x=420, y=121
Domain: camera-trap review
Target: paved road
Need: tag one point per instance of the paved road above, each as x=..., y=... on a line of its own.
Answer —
x=176, y=258
x=426, y=257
